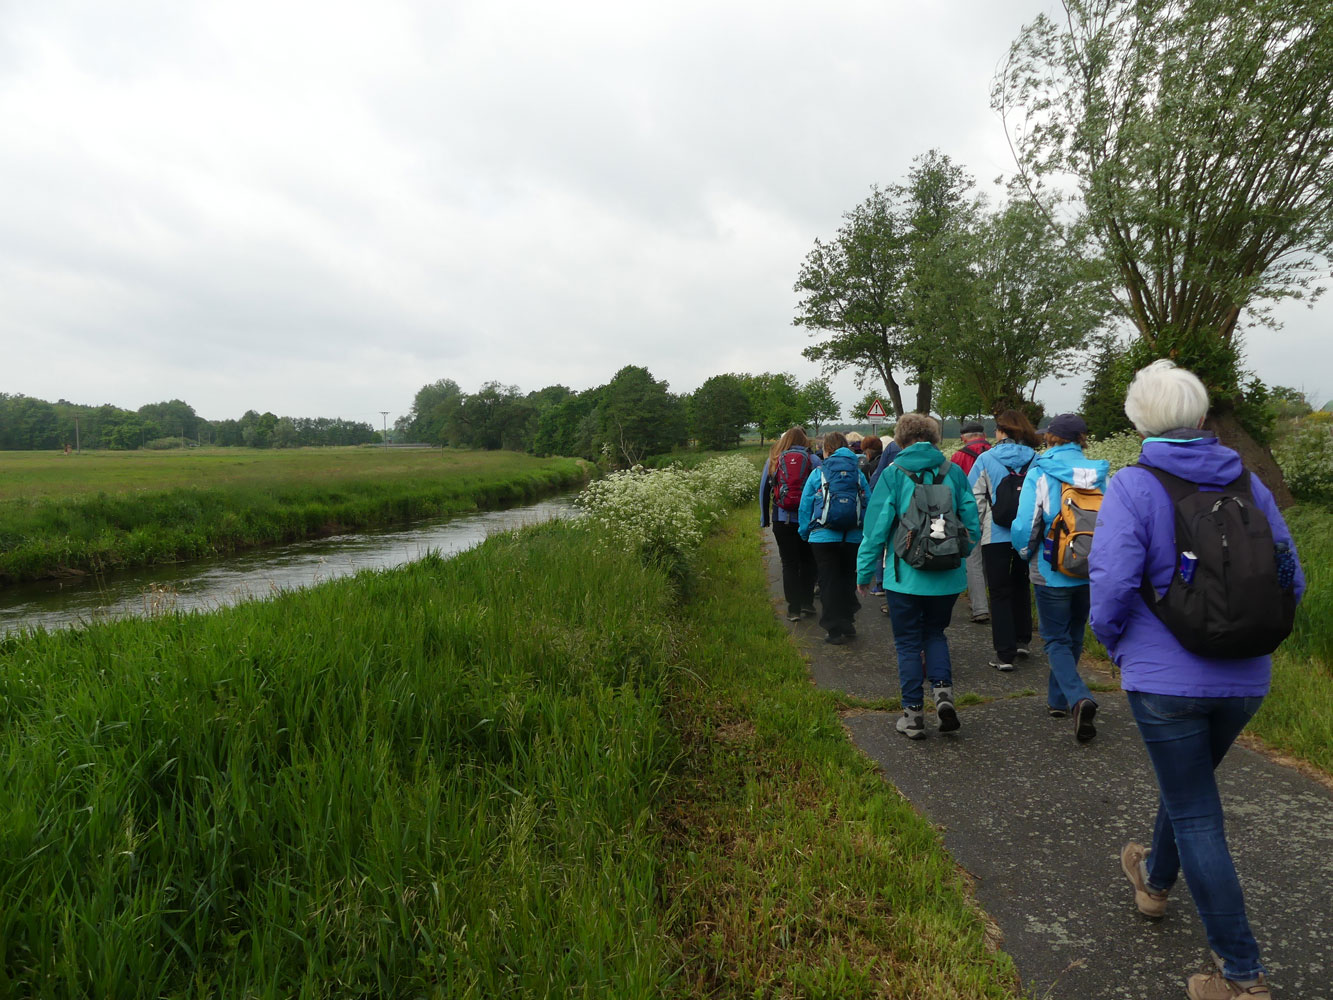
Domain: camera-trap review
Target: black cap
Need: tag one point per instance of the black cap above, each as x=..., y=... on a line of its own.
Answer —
x=972, y=427
x=1067, y=425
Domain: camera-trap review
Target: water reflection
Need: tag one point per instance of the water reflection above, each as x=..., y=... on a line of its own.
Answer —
x=208, y=585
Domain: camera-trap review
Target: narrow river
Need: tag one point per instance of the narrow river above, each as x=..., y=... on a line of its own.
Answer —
x=216, y=583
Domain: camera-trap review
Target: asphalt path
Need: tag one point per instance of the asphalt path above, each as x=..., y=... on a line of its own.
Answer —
x=1037, y=820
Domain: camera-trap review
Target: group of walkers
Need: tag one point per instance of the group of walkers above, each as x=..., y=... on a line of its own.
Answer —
x=1182, y=564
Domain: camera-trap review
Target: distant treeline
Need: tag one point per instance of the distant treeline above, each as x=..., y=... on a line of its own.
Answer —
x=28, y=424
x=624, y=421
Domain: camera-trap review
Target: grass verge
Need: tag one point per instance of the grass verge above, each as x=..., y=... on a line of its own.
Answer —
x=792, y=868
x=93, y=533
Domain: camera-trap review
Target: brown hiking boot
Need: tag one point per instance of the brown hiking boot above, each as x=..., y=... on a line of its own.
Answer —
x=1215, y=986
x=1151, y=903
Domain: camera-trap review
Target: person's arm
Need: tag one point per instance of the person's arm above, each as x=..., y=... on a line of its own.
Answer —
x=1118, y=559
x=807, y=508
x=1028, y=526
x=880, y=515
x=765, y=494
x=967, y=507
x=979, y=479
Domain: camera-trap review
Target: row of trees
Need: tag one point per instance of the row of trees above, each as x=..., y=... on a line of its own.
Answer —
x=29, y=424
x=629, y=418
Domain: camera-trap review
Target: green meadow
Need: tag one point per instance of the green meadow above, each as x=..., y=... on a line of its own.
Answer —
x=100, y=511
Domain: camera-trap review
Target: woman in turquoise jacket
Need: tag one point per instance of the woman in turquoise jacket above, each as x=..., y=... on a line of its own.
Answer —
x=920, y=601
x=835, y=550
x=1062, y=601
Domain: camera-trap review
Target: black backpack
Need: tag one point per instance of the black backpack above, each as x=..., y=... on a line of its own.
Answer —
x=930, y=535
x=1004, y=508
x=1225, y=599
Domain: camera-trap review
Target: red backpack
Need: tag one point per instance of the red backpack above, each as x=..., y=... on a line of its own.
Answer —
x=789, y=478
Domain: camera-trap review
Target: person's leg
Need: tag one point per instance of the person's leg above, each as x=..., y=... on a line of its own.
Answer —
x=906, y=615
x=790, y=553
x=1080, y=604
x=1055, y=610
x=935, y=615
x=976, y=584
x=847, y=581
x=829, y=562
x=807, y=575
x=1186, y=738
x=995, y=561
x=1020, y=598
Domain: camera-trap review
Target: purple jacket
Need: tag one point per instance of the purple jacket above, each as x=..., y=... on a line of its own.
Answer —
x=1136, y=531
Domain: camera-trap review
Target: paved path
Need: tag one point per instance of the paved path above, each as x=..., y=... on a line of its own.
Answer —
x=1038, y=821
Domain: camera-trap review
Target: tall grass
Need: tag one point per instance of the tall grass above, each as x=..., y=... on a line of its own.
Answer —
x=51, y=536
x=434, y=780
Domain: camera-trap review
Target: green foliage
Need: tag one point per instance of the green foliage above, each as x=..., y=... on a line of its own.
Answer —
x=720, y=412
x=1200, y=138
x=431, y=407
x=1103, y=405
x=1305, y=453
x=818, y=403
x=638, y=417
x=775, y=402
x=1119, y=450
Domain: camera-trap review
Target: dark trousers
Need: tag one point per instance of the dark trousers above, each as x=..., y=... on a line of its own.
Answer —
x=837, y=586
x=1010, y=599
x=798, y=567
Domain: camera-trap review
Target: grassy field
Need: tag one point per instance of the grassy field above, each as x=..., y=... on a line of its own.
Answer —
x=63, y=514
x=524, y=771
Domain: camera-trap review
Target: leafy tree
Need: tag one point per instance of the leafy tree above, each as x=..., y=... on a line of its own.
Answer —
x=818, y=402
x=1103, y=405
x=175, y=418
x=430, y=411
x=1199, y=135
x=1026, y=307
x=775, y=402
x=719, y=412
x=496, y=416
x=639, y=417
x=858, y=410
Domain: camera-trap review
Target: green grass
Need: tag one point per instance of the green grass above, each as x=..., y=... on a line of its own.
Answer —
x=1297, y=715
x=525, y=771
x=794, y=869
x=82, y=514
x=690, y=458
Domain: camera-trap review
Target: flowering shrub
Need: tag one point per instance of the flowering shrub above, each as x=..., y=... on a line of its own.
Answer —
x=666, y=513
x=1118, y=449
x=1306, y=457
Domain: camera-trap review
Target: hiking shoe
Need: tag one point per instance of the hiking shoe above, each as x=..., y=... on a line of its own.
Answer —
x=944, y=709
x=912, y=723
x=837, y=639
x=1085, y=709
x=1057, y=713
x=1023, y=651
x=793, y=616
x=1215, y=986
x=980, y=619
x=809, y=611
x=1151, y=902
x=1001, y=665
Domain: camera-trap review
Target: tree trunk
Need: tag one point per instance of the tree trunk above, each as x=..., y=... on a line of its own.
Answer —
x=895, y=394
x=1258, y=459
x=924, y=390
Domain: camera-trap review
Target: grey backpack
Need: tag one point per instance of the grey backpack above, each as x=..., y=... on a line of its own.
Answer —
x=930, y=535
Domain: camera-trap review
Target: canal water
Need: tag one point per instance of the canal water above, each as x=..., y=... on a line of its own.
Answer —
x=210, y=584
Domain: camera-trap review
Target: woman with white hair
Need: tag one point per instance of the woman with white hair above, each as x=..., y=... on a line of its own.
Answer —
x=1189, y=705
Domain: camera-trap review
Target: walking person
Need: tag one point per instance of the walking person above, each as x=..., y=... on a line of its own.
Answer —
x=1191, y=703
x=1063, y=484
x=923, y=517
x=833, y=507
x=997, y=480
x=973, y=436
x=789, y=465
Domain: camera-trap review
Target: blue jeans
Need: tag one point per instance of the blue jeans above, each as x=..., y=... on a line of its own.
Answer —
x=918, y=627
x=1062, y=613
x=1186, y=740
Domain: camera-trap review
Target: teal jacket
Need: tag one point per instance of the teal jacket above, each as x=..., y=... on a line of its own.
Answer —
x=1040, y=501
x=893, y=493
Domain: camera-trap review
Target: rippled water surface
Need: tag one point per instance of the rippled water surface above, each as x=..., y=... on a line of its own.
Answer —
x=216, y=583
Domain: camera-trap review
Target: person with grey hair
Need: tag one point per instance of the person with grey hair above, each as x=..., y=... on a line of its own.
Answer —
x=1189, y=706
x=920, y=600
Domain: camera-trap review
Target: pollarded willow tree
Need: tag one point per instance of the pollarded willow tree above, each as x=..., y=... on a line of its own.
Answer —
x=1198, y=135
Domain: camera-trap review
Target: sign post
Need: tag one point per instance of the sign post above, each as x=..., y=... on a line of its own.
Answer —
x=875, y=414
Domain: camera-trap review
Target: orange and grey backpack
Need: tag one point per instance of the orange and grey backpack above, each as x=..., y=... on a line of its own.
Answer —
x=1069, y=539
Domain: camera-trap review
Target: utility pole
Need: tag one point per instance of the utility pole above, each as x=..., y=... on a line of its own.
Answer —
x=385, y=415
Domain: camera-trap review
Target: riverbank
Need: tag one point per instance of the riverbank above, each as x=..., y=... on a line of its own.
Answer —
x=72, y=515
x=530, y=770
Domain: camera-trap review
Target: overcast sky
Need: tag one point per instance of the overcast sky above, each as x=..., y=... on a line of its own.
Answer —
x=315, y=207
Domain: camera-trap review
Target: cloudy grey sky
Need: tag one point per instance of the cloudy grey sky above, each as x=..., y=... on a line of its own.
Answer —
x=315, y=207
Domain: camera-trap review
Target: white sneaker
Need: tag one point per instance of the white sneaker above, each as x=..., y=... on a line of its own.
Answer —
x=912, y=723
x=944, y=710
x=1001, y=665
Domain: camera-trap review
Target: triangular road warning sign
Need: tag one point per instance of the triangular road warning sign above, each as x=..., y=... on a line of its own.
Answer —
x=876, y=411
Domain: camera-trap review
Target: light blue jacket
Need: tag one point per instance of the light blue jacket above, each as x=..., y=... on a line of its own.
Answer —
x=811, y=531
x=893, y=494
x=1040, y=500
x=989, y=470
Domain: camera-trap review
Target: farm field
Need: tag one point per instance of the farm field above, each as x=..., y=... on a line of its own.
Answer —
x=77, y=514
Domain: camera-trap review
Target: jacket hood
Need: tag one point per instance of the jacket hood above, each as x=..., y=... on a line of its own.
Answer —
x=1012, y=455
x=1066, y=463
x=919, y=457
x=1200, y=459
x=844, y=453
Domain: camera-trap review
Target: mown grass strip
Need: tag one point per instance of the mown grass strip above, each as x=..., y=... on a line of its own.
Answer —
x=793, y=869
x=106, y=531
